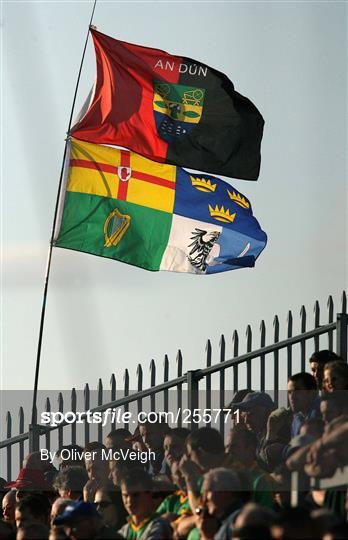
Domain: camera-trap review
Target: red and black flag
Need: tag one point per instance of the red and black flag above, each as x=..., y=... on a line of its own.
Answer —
x=171, y=109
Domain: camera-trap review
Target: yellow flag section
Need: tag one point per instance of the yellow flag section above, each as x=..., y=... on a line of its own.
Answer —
x=120, y=174
x=117, y=205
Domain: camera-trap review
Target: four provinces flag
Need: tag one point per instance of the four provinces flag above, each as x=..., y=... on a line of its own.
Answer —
x=121, y=205
x=172, y=110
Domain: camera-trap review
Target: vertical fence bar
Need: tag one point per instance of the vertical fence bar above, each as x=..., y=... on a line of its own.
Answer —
x=344, y=302
x=262, y=357
x=294, y=492
x=249, y=337
x=100, y=402
x=73, y=405
x=152, y=384
x=276, y=361
x=303, y=317
x=34, y=436
x=179, y=389
x=139, y=387
x=192, y=396
x=21, y=430
x=166, y=379
x=222, y=386
x=235, y=344
x=330, y=313
x=208, y=379
x=60, y=428
x=316, y=324
x=9, y=448
x=113, y=397
x=126, y=393
x=48, y=433
x=341, y=335
x=289, y=347
x=87, y=400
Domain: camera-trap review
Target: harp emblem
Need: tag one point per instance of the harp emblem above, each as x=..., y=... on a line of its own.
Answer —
x=115, y=227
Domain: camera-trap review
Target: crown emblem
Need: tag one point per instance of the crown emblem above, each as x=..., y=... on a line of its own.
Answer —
x=238, y=199
x=202, y=184
x=221, y=214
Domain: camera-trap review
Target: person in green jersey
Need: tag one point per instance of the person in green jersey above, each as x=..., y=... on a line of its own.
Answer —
x=176, y=505
x=144, y=523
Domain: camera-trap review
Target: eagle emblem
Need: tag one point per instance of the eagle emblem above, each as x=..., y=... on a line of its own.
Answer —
x=203, y=242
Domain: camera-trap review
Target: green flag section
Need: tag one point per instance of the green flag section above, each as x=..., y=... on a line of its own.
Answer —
x=172, y=110
x=141, y=244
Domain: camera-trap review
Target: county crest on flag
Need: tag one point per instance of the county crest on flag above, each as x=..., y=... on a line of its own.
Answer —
x=123, y=206
x=171, y=109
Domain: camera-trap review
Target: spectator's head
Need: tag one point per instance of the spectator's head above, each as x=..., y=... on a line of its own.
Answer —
x=97, y=466
x=333, y=405
x=32, y=509
x=137, y=490
x=108, y=503
x=255, y=409
x=70, y=481
x=152, y=433
x=237, y=398
x=29, y=481
x=205, y=447
x=221, y=488
x=242, y=444
x=317, y=362
x=335, y=376
x=33, y=531
x=117, y=439
x=9, y=505
x=70, y=455
x=253, y=518
x=302, y=389
x=174, y=444
x=58, y=508
x=80, y=521
x=118, y=468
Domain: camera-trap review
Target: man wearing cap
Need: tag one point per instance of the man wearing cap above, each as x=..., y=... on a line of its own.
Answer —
x=29, y=481
x=81, y=521
x=255, y=409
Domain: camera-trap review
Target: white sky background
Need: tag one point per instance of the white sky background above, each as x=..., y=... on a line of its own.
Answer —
x=290, y=59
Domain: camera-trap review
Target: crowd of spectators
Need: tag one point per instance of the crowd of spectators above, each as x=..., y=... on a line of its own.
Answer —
x=196, y=485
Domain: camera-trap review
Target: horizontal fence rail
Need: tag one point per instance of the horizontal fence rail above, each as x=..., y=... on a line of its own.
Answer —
x=260, y=365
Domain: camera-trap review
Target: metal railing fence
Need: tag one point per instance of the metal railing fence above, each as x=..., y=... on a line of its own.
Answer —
x=247, y=370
